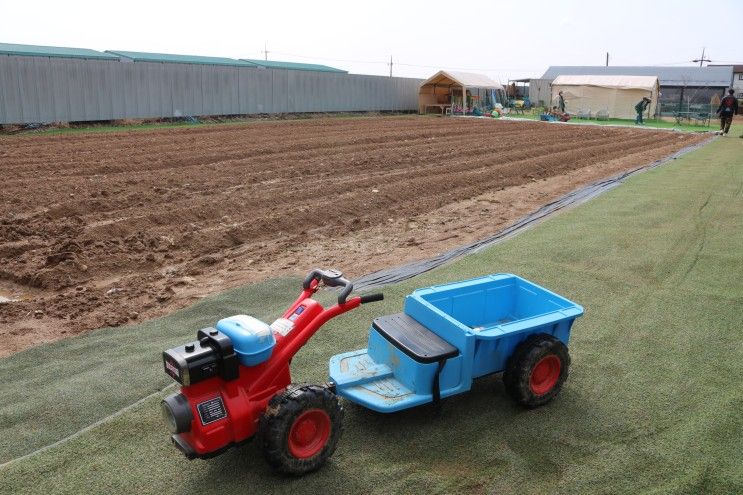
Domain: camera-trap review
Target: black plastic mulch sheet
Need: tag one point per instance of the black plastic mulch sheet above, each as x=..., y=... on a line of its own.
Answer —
x=403, y=272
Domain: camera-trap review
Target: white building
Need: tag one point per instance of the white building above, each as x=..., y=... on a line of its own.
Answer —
x=737, y=84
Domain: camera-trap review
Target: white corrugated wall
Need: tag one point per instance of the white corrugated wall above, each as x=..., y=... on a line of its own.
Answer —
x=49, y=89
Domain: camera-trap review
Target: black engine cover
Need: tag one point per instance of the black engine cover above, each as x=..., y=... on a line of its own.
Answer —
x=211, y=355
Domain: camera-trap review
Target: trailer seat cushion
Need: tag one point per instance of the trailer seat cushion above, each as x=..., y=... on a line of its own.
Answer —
x=414, y=339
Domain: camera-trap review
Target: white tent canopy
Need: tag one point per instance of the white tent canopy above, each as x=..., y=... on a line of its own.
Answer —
x=648, y=83
x=616, y=95
x=466, y=79
x=437, y=90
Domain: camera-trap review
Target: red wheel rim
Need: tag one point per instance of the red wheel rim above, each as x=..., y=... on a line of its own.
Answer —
x=309, y=433
x=545, y=374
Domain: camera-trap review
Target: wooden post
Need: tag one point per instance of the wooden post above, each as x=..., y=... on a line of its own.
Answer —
x=464, y=100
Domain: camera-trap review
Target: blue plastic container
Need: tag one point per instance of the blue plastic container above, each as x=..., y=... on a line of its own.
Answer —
x=252, y=339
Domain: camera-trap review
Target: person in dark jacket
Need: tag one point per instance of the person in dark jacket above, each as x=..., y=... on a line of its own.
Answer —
x=728, y=107
x=639, y=108
x=560, y=102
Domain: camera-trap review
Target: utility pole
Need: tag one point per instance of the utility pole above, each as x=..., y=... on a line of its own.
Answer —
x=607, y=59
x=390, y=64
x=702, y=60
x=265, y=51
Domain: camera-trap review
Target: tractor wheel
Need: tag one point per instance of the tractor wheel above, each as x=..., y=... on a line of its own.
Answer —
x=536, y=370
x=301, y=428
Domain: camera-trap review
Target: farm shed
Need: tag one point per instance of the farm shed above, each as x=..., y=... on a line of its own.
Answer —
x=447, y=90
x=679, y=86
x=539, y=91
x=616, y=95
x=737, y=83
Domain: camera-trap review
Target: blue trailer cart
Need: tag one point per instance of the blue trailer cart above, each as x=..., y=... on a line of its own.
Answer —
x=450, y=334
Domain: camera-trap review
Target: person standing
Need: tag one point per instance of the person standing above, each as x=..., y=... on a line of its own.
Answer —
x=560, y=102
x=640, y=108
x=728, y=107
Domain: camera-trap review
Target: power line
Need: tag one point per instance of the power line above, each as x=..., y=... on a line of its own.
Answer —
x=385, y=62
x=674, y=63
x=499, y=69
x=334, y=59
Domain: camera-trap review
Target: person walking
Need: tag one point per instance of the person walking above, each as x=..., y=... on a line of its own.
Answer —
x=640, y=108
x=560, y=102
x=728, y=107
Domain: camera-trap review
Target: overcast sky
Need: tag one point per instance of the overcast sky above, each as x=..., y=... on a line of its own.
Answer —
x=502, y=39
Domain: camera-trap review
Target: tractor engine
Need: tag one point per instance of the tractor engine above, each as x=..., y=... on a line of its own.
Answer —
x=217, y=352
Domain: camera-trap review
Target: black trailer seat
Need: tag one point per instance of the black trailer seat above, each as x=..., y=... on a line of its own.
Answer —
x=414, y=339
x=418, y=342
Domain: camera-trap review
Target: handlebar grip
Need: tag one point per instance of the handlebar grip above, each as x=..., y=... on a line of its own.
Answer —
x=331, y=278
x=345, y=292
x=372, y=298
x=314, y=274
x=338, y=281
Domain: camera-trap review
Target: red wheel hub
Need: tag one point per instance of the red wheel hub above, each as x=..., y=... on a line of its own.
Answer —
x=545, y=374
x=309, y=433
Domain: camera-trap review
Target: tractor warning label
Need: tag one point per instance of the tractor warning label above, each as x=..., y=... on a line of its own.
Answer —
x=282, y=326
x=211, y=410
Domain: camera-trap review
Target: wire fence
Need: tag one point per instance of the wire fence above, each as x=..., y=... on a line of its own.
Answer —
x=699, y=100
x=667, y=109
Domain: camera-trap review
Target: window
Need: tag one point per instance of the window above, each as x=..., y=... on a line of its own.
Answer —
x=740, y=77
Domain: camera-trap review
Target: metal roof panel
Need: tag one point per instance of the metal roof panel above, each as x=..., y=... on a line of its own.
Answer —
x=275, y=64
x=178, y=59
x=53, y=51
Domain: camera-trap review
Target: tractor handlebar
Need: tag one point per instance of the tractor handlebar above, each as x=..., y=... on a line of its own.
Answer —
x=331, y=278
x=335, y=278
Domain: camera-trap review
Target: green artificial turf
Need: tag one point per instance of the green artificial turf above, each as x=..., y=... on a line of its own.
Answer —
x=653, y=404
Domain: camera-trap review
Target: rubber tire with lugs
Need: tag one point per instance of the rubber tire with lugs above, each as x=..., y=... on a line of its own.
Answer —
x=540, y=354
x=300, y=428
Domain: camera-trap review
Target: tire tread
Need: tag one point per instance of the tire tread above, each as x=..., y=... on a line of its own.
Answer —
x=519, y=366
x=282, y=410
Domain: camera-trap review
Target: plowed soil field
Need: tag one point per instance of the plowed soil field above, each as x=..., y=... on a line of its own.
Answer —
x=104, y=229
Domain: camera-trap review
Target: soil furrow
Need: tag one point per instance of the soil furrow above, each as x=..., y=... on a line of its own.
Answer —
x=109, y=228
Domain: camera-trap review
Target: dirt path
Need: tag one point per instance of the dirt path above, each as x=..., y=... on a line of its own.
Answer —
x=104, y=229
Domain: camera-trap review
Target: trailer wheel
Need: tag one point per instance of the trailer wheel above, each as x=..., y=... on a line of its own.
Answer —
x=536, y=370
x=300, y=429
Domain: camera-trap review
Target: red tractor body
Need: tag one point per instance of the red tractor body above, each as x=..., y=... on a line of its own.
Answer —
x=224, y=402
x=234, y=419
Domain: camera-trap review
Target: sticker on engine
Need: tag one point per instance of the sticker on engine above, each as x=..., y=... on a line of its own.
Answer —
x=172, y=369
x=211, y=410
x=282, y=326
